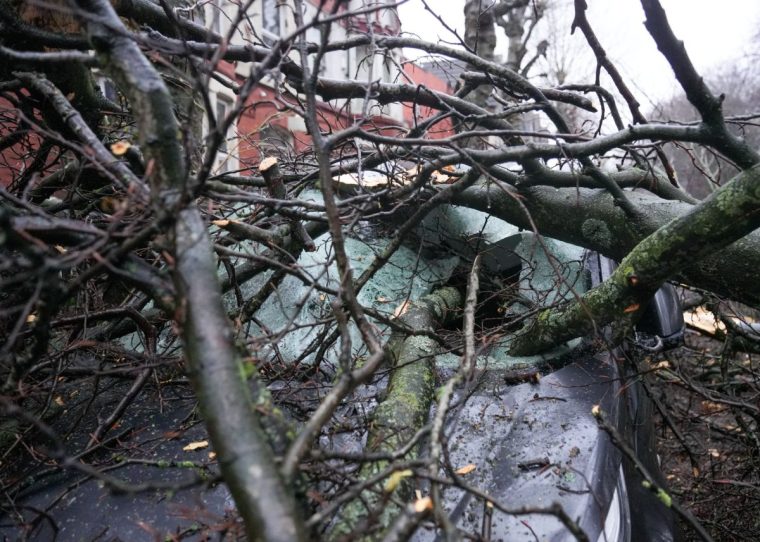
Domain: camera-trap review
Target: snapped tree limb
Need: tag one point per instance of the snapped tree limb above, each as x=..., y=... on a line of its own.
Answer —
x=589, y=218
x=407, y=403
x=726, y=216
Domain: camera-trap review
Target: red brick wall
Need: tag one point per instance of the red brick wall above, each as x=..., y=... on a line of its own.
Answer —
x=266, y=107
x=421, y=77
x=15, y=158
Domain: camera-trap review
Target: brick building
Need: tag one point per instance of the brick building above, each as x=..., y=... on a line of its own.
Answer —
x=268, y=120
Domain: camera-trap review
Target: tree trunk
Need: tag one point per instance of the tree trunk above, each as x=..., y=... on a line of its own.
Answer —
x=405, y=409
x=480, y=38
x=589, y=218
x=704, y=234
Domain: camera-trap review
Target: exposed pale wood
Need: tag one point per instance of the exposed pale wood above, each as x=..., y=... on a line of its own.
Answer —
x=267, y=163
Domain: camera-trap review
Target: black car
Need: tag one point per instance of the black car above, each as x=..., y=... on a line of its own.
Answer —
x=529, y=427
x=525, y=426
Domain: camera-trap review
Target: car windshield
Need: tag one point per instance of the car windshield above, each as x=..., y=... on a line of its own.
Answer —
x=520, y=273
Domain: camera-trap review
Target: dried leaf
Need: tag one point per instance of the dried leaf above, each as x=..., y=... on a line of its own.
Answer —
x=425, y=503
x=395, y=479
x=401, y=309
x=109, y=205
x=439, y=178
x=596, y=410
x=467, y=469
x=220, y=223
x=60, y=249
x=197, y=445
x=31, y=318
x=631, y=308
x=58, y=401
x=703, y=319
x=120, y=148
x=212, y=455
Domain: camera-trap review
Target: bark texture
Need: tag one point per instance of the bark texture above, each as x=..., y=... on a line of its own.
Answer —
x=405, y=408
x=266, y=505
x=726, y=216
x=589, y=218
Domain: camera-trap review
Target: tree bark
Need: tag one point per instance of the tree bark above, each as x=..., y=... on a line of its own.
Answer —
x=728, y=215
x=407, y=404
x=480, y=38
x=589, y=218
x=267, y=506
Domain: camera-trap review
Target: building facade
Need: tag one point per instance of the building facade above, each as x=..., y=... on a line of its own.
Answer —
x=270, y=120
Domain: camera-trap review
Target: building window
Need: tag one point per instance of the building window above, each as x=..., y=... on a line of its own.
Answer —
x=224, y=158
x=270, y=18
x=387, y=69
x=220, y=16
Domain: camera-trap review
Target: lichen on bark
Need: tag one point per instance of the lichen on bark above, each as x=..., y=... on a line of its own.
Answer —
x=727, y=215
x=406, y=406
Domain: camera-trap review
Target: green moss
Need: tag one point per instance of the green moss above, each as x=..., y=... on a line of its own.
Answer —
x=597, y=232
x=405, y=409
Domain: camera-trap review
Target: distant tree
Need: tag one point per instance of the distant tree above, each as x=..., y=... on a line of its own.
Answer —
x=538, y=47
x=701, y=170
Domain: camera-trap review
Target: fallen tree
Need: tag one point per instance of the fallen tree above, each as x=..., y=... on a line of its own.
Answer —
x=112, y=216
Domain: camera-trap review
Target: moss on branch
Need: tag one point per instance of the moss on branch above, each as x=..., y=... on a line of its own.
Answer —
x=727, y=215
x=405, y=409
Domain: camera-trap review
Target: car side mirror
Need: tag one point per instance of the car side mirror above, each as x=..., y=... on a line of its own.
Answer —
x=662, y=320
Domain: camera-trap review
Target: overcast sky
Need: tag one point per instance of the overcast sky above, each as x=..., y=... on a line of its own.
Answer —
x=714, y=32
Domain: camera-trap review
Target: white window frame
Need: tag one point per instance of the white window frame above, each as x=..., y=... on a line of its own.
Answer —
x=269, y=36
x=227, y=155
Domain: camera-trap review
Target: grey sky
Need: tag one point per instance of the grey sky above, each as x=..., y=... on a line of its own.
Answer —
x=714, y=33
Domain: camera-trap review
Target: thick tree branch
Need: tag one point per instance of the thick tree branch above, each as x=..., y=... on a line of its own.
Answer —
x=728, y=215
x=407, y=403
x=709, y=106
x=100, y=156
x=268, y=508
x=589, y=218
x=215, y=366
